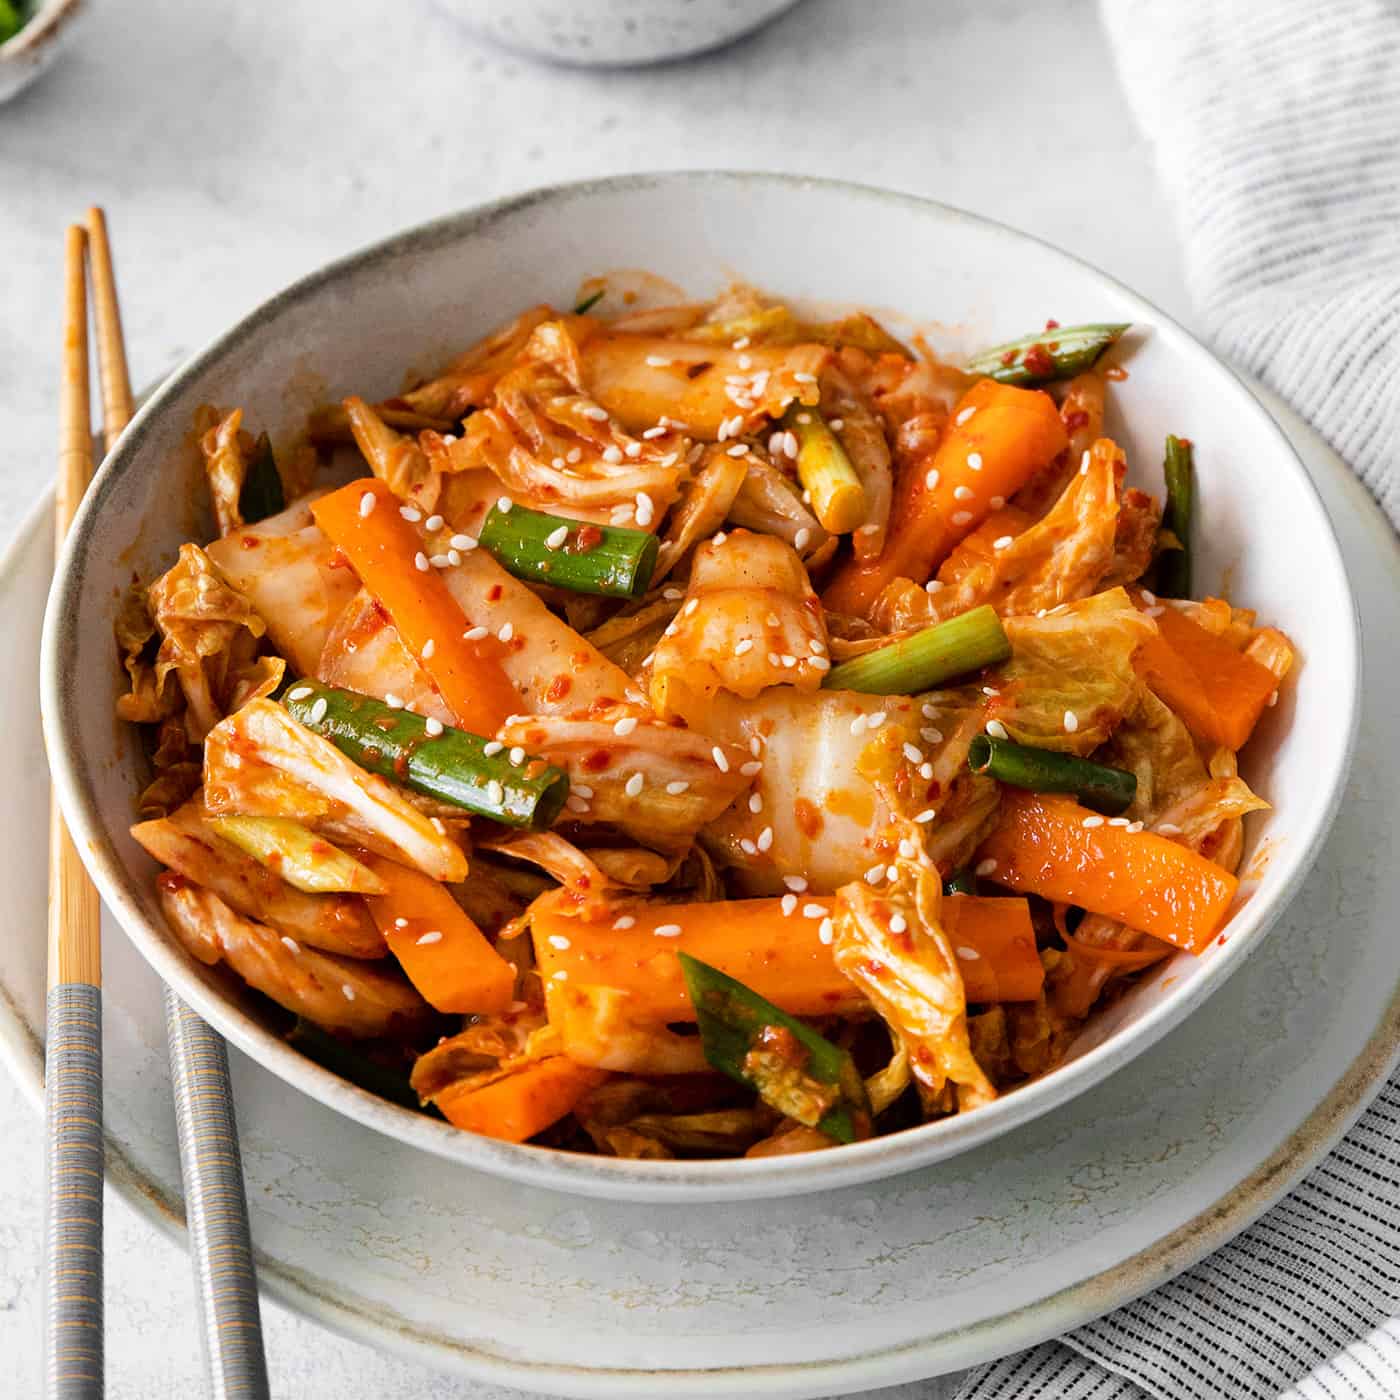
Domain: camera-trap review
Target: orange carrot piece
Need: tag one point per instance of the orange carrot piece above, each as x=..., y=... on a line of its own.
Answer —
x=1218, y=692
x=780, y=957
x=1055, y=848
x=382, y=547
x=521, y=1104
x=446, y=957
x=998, y=437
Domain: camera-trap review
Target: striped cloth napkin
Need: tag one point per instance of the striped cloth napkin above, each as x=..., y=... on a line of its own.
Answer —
x=1277, y=131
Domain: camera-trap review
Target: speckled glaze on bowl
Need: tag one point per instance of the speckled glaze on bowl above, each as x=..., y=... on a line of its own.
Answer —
x=614, y=33
x=428, y=292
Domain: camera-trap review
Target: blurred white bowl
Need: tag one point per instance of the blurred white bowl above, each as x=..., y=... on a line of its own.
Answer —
x=25, y=56
x=613, y=33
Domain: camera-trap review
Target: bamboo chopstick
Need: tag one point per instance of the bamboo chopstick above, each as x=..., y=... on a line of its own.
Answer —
x=73, y=1044
x=216, y=1208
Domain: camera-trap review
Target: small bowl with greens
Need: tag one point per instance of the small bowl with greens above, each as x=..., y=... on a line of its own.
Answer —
x=32, y=34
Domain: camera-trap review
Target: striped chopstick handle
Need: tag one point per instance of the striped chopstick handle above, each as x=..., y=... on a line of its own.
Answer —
x=216, y=1208
x=73, y=1224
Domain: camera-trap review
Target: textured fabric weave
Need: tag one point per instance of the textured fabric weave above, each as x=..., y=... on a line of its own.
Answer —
x=1276, y=127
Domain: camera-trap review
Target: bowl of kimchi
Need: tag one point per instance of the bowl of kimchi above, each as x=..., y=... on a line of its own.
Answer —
x=700, y=686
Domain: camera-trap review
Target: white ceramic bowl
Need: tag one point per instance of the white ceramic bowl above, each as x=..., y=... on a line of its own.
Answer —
x=25, y=56
x=613, y=33
x=415, y=299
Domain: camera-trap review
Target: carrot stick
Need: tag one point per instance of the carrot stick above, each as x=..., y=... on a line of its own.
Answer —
x=781, y=957
x=524, y=1103
x=1055, y=848
x=446, y=957
x=999, y=436
x=1218, y=692
x=382, y=548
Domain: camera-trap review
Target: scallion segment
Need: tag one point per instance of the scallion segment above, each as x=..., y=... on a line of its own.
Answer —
x=790, y=1066
x=306, y=861
x=1059, y=352
x=603, y=559
x=349, y=1063
x=454, y=766
x=1173, y=578
x=825, y=471
x=1097, y=786
x=964, y=643
x=262, y=494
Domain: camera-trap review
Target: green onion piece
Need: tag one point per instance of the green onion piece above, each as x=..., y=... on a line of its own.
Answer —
x=571, y=554
x=1104, y=789
x=1058, y=353
x=306, y=861
x=262, y=494
x=1173, y=578
x=964, y=643
x=453, y=766
x=14, y=14
x=588, y=303
x=962, y=881
x=791, y=1067
x=824, y=469
x=349, y=1063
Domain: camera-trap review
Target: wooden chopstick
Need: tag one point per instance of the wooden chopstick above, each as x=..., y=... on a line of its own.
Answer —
x=216, y=1207
x=73, y=1350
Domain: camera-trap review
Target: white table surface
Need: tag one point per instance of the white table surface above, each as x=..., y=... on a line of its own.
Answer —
x=238, y=146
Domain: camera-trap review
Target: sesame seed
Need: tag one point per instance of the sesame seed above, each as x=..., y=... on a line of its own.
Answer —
x=1134, y=827
x=788, y=660
x=803, y=378
x=1149, y=597
x=858, y=724
x=740, y=449
x=1084, y=465
x=633, y=449
x=658, y=361
x=583, y=790
x=819, y=663
x=913, y=753
x=719, y=537
x=612, y=453
x=516, y=756
x=433, y=522
x=928, y=710
x=1272, y=700
x=420, y=562
x=826, y=931
x=1168, y=829
x=347, y=991
x=974, y=460
x=997, y=729
x=907, y=848
x=634, y=785
x=432, y=936
x=595, y=412
x=476, y=634
x=462, y=542
x=1091, y=822
x=400, y=923
x=967, y=954
x=964, y=416
x=931, y=736
x=495, y=793
x=765, y=839
x=814, y=911
x=558, y=940
x=892, y=872
x=432, y=726
x=931, y=479
x=962, y=493
x=926, y=816
x=796, y=883
x=560, y=976
x=690, y=607
x=1071, y=722
x=624, y=922
x=574, y=455
x=492, y=747
x=742, y=343
x=755, y=803
x=655, y=432
x=557, y=463
x=367, y=503
x=411, y=513
x=557, y=539
x=721, y=762
x=788, y=904
x=504, y=504
x=292, y=946
x=899, y=924
x=576, y=804
x=990, y=690
x=962, y=517
x=926, y=771
x=985, y=867
x=748, y=847
x=875, y=874
x=454, y=557
x=1118, y=821
x=751, y=768
x=775, y=443
x=624, y=727
x=1002, y=542
x=440, y=561
x=300, y=693
x=802, y=539
x=744, y=647
x=934, y=586
x=755, y=745
x=393, y=701
x=790, y=444
x=874, y=721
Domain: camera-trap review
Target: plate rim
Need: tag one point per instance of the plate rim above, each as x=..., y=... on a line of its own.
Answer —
x=709, y=1182
x=1339, y=1106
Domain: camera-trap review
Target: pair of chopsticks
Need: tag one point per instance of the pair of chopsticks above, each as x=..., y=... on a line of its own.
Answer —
x=216, y=1209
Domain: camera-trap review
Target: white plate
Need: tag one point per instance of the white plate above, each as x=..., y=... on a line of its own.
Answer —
x=1051, y=1225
